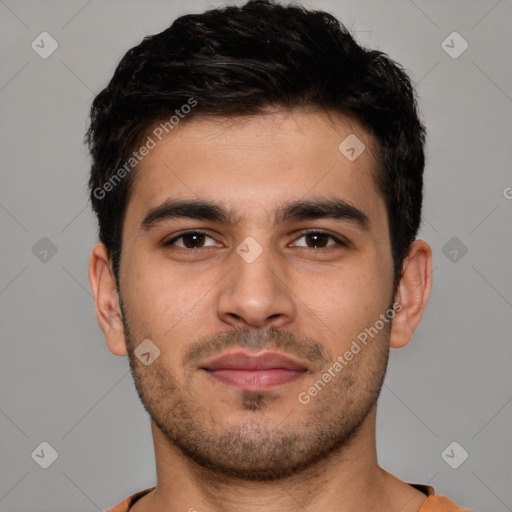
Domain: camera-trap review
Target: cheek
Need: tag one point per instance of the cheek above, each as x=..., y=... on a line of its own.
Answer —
x=165, y=299
x=348, y=299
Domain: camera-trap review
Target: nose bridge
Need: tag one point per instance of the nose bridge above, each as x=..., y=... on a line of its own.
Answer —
x=255, y=293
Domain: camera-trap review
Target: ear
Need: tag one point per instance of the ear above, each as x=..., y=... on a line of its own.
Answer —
x=106, y=300
x=412, y=294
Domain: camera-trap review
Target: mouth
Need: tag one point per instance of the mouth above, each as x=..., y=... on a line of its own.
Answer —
x=255, y=372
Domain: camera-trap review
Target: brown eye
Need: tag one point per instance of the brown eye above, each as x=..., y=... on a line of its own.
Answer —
x=319, y=240
x=190, y=240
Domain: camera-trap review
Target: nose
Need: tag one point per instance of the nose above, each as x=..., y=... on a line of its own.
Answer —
x=257, y=293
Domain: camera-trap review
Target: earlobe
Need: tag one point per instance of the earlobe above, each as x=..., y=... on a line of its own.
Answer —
x=413, y=293
x=106, y=300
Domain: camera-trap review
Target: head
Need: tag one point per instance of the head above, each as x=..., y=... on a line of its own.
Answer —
x=248, y=130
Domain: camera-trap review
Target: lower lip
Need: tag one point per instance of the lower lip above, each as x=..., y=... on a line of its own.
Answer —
x=256, y=380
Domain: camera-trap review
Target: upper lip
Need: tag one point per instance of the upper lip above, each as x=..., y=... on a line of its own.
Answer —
x=244, y=361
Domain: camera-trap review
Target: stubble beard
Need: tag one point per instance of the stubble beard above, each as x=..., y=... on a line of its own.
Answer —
x=258, y=448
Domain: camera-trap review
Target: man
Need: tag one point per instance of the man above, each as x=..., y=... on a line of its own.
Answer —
x=257, y=178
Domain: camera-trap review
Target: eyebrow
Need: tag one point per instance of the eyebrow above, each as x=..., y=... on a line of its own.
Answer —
x=204, y=210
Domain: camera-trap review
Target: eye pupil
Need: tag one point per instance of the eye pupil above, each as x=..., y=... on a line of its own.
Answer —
x=194, y=236
x=318, y=235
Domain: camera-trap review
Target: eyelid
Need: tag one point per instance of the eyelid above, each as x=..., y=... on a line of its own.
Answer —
x=187, y=232
x=340, y=240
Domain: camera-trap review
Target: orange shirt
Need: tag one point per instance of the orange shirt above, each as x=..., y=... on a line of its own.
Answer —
x=432, y=504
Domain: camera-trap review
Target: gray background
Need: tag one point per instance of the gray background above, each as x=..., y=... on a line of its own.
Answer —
x=59, y=383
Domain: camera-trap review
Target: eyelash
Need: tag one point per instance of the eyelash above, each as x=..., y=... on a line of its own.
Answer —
x=339, y=242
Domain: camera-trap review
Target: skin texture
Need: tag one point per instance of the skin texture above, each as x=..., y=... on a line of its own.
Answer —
x=218, y=447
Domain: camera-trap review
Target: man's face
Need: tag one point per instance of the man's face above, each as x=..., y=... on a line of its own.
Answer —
x=269, y=281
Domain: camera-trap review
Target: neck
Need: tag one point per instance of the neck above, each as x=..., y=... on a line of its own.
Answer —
x=347, y=480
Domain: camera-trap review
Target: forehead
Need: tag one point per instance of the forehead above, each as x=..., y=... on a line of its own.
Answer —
x=253, y=164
